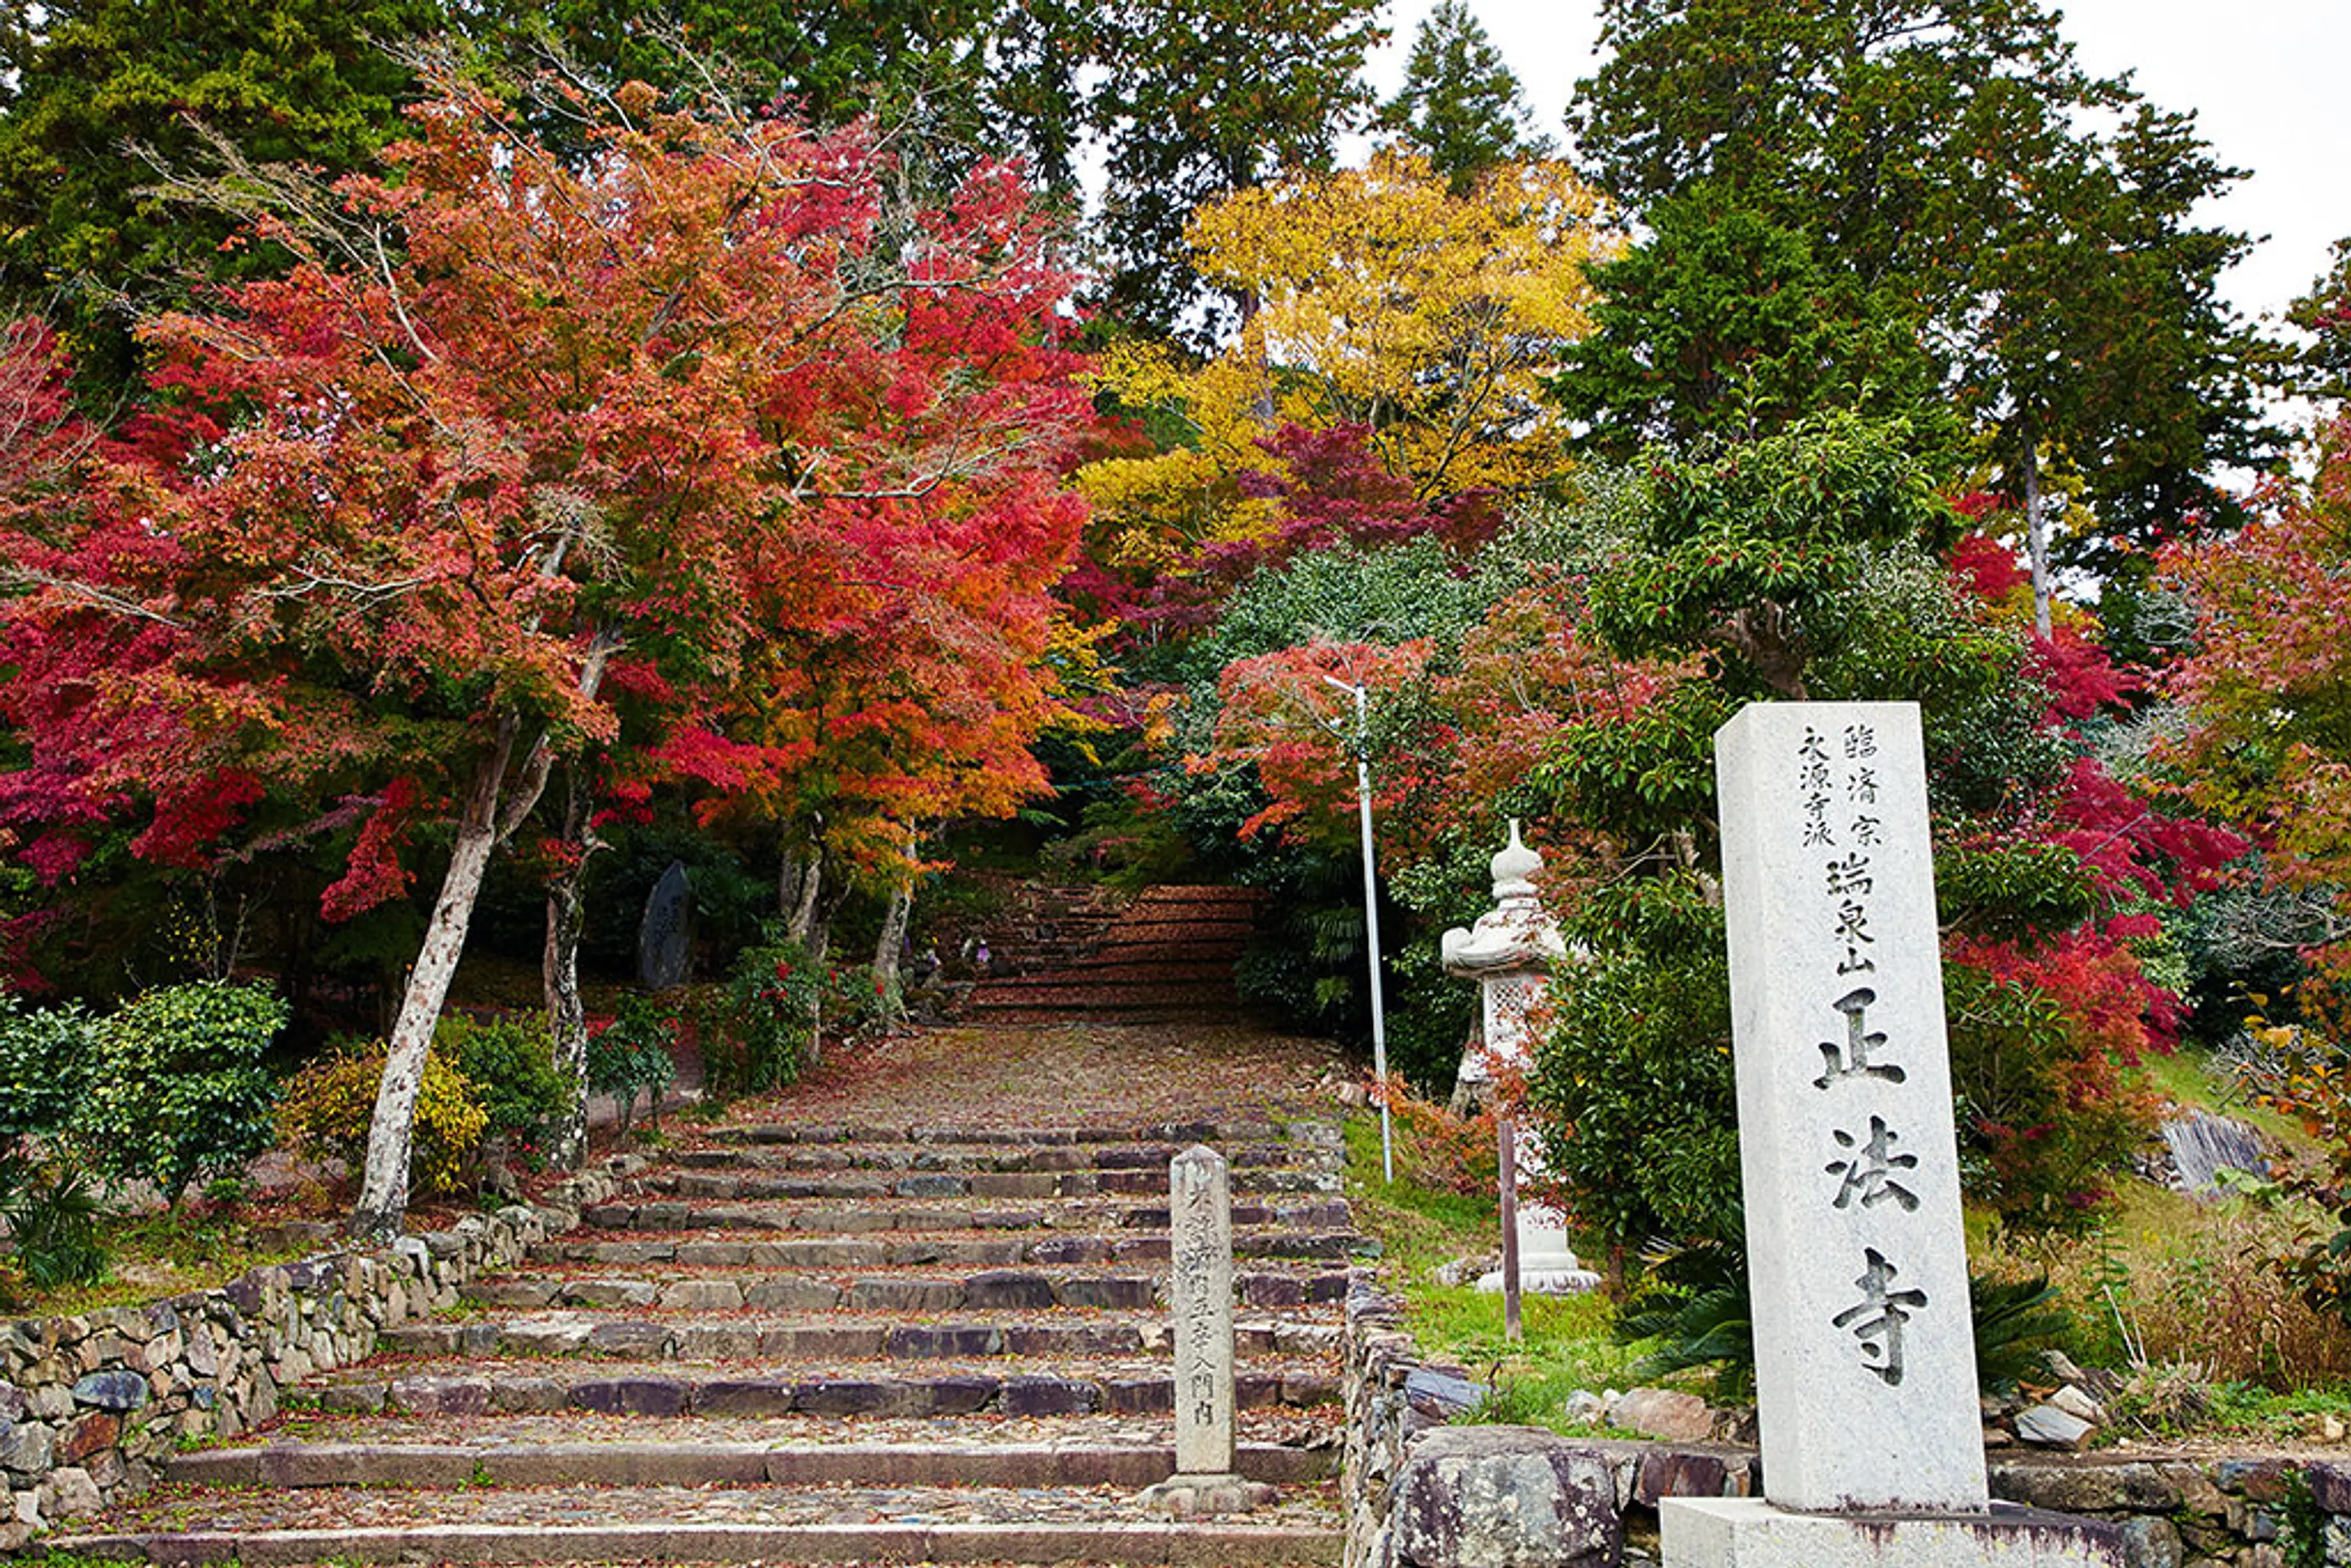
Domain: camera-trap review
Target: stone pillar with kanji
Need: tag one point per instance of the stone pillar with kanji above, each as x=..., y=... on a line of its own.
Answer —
x=1509, y=953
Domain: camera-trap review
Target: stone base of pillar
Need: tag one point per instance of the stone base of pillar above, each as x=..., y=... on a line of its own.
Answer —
x=1193, y=1497
x=1561, y=1274
x=1748, y=1532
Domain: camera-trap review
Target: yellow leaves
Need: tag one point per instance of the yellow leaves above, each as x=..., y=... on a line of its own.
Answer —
x=1372, y=297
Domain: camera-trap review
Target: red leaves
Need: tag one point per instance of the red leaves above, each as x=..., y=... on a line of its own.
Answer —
x=374, y=875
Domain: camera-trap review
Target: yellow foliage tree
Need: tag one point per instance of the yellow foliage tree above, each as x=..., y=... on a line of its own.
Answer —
x=1372, y=297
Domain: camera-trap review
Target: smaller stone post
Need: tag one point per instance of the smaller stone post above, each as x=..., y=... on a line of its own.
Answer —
x=1200, y=1293
x=1509, y=953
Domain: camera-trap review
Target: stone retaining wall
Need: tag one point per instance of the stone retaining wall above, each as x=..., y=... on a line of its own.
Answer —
x=1421, y=1492
x=92, y=1403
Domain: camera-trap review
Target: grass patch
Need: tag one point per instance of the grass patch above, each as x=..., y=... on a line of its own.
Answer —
x=1569, y=1344
x=2189, y=1077
x=158, y=1255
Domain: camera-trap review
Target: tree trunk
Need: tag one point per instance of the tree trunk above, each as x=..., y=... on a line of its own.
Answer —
x=567, y=1016
x=383, y=1184
x=2036, y=538
x=801, y=919
x=891, y=942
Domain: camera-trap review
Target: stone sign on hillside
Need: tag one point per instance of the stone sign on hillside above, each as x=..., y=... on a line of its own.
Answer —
x=1865, y=1354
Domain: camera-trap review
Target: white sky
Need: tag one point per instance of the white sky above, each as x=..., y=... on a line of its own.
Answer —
x=2264, y=77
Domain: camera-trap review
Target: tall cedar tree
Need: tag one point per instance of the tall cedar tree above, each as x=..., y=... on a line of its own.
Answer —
x=1461, y=102
x=82, y=82
x=2036, y=221
x=520, y=437
x=1200, y=99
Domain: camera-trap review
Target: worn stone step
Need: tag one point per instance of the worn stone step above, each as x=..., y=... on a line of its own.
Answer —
x=931, y=1215
x=1317, y=1134
x=909, y=1250
x=1187, y=1544
x=841, y=1336
x=1066, y=1269
x=625, y=1463
x=726, y=1177
x=644, y=1388
x=1151, y=1158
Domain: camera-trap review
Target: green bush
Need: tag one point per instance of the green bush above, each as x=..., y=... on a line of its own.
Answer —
x=765, y=1030
x=46, y=1060
x=329, y=1103
x=633, y=1055
x=510, y=1065
x=179, y=1090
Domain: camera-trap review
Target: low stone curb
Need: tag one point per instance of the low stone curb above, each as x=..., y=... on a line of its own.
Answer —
x=790, y=1214
x=824, y=1250
x=1306, y=1135
x=1147, y=1161
x=1190, y=1544
x=741, y=1340
x=949, y=1394
x=673, y=1464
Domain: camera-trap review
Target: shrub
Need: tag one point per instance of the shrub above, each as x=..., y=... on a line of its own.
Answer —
x=510, y=1065
x=766, y=1031
x=179, y=1090
x=46, y=1060
x=329, y=1103
x=54, y=1223
x=633, y=1055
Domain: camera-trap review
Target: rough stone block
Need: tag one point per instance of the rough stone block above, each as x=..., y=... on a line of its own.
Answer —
x=899, y=1295
x=744, y=1396
x=1006, y=1290
x=1504, y=1497
x=631, y=1396
x=118, y=1390
x=528, y=1395
x=1112, y=1293
x=1748, y=1532
x=435, y=1397
x=702, y=1296
x=791, y=1295
x=1049, y=1396
x=649, y=1340
x=960, y=1396
x=612, y=1292
x=97, y=1430
x=947, y=1342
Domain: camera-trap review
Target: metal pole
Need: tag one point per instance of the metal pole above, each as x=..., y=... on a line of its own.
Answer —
x=1372, y=928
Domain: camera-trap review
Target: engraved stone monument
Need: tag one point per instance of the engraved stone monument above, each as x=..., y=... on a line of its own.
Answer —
x=665, y=933
x=1509, y=953
x=1200, y=1295
x=1866, y=1378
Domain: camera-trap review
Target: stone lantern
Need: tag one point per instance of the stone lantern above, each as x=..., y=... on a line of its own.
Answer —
x=1509, y=953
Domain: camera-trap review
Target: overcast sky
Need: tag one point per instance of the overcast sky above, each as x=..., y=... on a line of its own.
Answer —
x=2264, y=77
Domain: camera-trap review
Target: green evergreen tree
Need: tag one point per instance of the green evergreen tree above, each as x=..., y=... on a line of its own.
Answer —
x=94, y=94
x=2034, y=222
x=1461, y=102
x=1203, y=98
x=1724, y=323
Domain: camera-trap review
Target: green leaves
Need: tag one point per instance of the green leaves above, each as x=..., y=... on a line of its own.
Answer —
x=178, y=1089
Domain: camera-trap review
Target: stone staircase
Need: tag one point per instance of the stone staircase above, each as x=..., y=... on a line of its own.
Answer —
x=791, y=1343
x=1166, y=958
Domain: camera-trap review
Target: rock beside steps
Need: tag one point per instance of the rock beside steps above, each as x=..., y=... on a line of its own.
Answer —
x=1167, y=957
x=860, y=1373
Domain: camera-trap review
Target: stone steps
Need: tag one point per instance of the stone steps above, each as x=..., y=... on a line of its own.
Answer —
x=620, y=1462
x=969, y=1249
x=1168, y=957
x=944, y=1386
x=847, y=1336
x=930, y=1214
x=737, y=1174
x=680, y=1529
x=858, y=1340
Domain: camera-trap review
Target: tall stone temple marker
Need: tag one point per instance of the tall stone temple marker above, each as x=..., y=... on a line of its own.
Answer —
x=1865, y=1376
x=1200, y=1295
x=1509, y=953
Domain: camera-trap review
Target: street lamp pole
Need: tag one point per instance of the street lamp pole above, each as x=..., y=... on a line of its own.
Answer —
x=1372, y=915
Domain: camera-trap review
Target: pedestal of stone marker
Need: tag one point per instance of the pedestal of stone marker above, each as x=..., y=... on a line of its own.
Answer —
x=1748, y=1532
